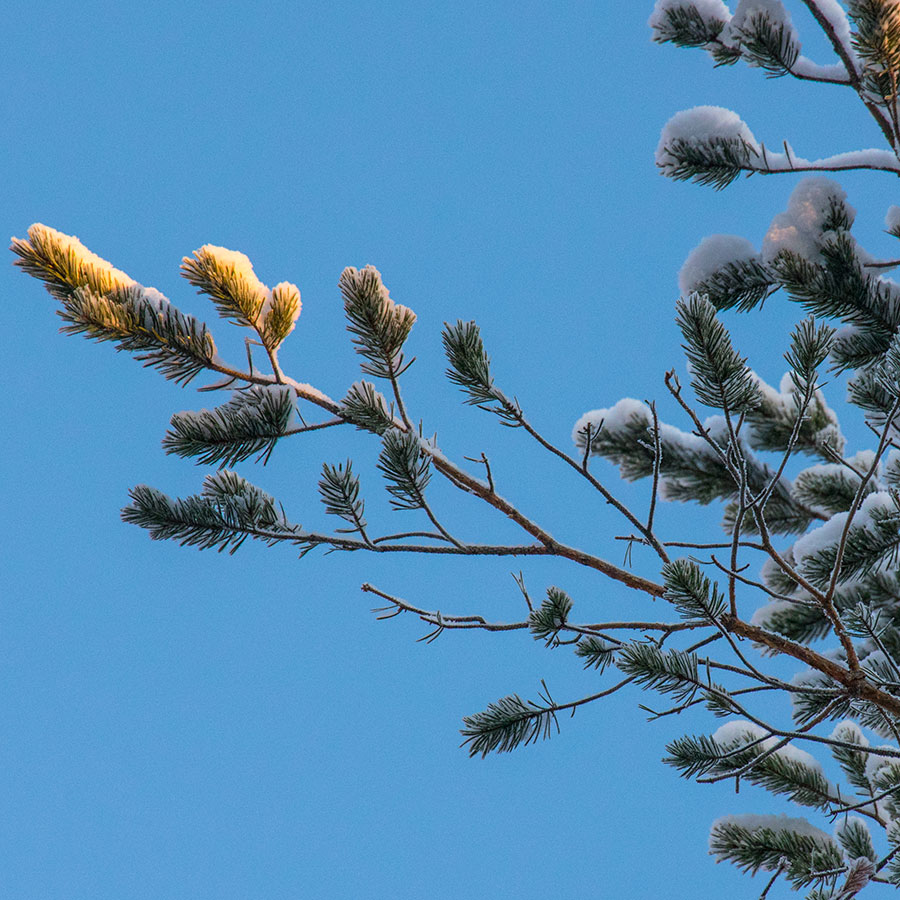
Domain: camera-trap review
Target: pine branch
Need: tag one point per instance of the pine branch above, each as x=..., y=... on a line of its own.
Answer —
x=685, y=26
x=855, y=838
x=367, y=409
x=470, y=370
x=339, y=489
x=753, y=847
x=152, y=329
x=851, y=756
x=720, y=378
x=227, y=511
x=227, y=277
x=511, y=722
x=691, y=592
x=64, y=264
x=551, y=617
x=379, y=325
x=714, y=161
x=739, y=284
x=767, y=43
x=756, y=757
x=407, y=469
x=250, y=423
x=596, y=653
x=280, y=317
x=670, y=672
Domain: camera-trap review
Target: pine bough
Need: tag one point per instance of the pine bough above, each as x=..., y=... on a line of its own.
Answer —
x=813, y=556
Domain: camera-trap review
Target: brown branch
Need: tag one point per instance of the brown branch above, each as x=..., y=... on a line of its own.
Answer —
x=850, y=65
x=855, y=682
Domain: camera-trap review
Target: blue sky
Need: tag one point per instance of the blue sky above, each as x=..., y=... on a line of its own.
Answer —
x=192, y=725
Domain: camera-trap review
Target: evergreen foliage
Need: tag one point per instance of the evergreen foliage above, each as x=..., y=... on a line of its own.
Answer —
x=807, y=564
x=250, y=423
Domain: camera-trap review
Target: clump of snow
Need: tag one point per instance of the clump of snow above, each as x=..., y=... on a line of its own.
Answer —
x=735, y=733
x=850, y=733
x=240, y=265
x=615, y=418
x=708, y=9
x=863, y=460
x=698, y=124
x=799, y=228
x=775, y=823
x=829, y=533
x=882, y=765
x=45, y=236
x=837, y=18
x=748, y=12
x=892, y=219
x=282, y=292
x=710, y=255
x=805, y=68
x=763, y=615
x=872, y=157
x=152, y=297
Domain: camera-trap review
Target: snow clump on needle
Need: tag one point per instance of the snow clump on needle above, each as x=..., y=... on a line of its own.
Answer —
x=708, y=10
x=750, y=11
x=710, y=255
x=799, y=228
x=699, y=124
x=892, y=219
x=67, y=244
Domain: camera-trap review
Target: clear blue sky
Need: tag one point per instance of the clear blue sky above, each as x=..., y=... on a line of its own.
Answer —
x=190, y=725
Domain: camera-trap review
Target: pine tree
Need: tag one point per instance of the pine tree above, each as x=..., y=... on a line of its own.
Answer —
x=810, y=544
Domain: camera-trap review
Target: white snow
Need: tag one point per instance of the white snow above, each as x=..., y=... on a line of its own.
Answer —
x=614, y=418
x=775, y=823
x=238, y=262
x=849, y=732
x=872, y=158
x=892, y=219
x=806, y=68
x=282, y=290
x=43, y=235
x=710, y=255
x=829, y=533
x=799, y=227
x=761, y=617
x=863, y=460
x=735, y=733
x=750, y=10
x=152, y=297
x=837, y=18
x=772, y=161
x=698, y=124
x=876, y=765
x=708, y=9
